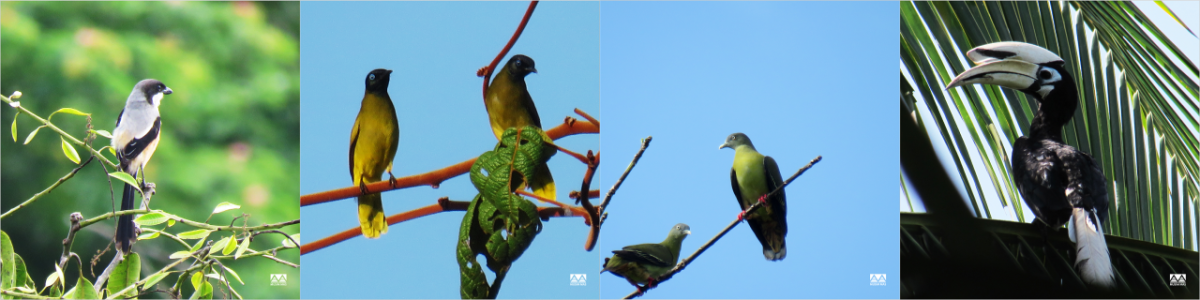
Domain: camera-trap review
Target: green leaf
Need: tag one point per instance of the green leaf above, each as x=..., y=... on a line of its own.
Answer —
x=197, y=279
x=128, y=179
x=224, y=206
x=154, y=279
x=233, y=274
x=180, y=254
x=84, y=289
x=472, y=281
x=195, y=234
x=199, y=244
x=229, y=247
x=14, y=126
x=22, y=278
x=204, y=292
x=69, y=151
x=152, y=219
x=56, y=278
x=104, y=133
x=242, y=248
x=219, y=245
x=149, y=235
x=67, y=110
x=126, y=274
x=33, y=134
x=8, y=274
x=170, y=222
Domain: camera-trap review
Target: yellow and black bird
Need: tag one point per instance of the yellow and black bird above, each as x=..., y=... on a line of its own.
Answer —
x=509, y=105
x=754, y=176
x=373, y=144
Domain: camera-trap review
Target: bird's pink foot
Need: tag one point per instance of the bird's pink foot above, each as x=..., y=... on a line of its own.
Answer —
x=741, y=216
x=763, y=200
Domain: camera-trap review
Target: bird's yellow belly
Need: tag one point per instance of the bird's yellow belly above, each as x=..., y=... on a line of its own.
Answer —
x=506, y=115
x=746, y=175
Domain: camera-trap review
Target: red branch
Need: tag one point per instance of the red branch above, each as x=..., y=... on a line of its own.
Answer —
x=486, y=72
x=436, y=177
x=593, y=162
x=443, y=205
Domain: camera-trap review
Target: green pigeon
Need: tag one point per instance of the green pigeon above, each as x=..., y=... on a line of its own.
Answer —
x=642, y=263
x=753, y=176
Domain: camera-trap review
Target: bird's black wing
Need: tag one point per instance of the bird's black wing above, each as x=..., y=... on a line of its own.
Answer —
x=777, y=202
x=737, y=191
x=646, y=254
x=528, y=101
x=1086, y=186
x=135, y=146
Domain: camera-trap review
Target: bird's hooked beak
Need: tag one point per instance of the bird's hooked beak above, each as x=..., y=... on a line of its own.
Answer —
x=1009, y=64
x=167, y=91
x=725, y=145
x=389, y=72
x=532, y=70
x=687, y=232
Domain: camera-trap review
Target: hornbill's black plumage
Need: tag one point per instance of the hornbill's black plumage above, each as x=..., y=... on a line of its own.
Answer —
x=1061, y=184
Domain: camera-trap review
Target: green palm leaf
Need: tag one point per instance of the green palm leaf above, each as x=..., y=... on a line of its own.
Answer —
x=1138, y=113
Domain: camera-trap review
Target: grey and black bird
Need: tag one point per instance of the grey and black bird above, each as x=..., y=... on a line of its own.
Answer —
x=135, y=138
x=1061, y=184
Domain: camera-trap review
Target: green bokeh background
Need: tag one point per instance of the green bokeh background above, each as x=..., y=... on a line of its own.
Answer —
x=230, y=130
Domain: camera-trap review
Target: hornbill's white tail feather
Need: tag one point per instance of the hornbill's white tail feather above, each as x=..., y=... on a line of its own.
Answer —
x=1091, y=251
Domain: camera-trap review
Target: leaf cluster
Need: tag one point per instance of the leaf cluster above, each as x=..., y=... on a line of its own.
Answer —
x=500, y=224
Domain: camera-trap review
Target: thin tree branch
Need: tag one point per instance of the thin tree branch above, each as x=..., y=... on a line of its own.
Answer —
x=48, y=189
x=684, y=263
x=593, y=162
x=434, y=178
x=64, y=134
x=486, y=72
x=613, y=190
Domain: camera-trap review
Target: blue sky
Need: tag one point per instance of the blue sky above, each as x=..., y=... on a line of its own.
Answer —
x=800, y=79
x=434, y=49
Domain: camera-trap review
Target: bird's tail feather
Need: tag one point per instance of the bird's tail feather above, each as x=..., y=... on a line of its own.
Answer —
x=126, y=230
x=773, y=254
x=370, y=215
x=1091, y=257
x=542, y=182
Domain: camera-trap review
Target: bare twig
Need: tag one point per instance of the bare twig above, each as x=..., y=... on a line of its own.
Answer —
x=613, y=190
x=684, y=263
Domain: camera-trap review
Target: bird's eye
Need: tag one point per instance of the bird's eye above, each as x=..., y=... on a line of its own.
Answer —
x=1045, y=74
x=371, y=77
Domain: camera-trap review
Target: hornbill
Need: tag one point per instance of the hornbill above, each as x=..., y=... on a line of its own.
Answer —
x=1061, y=184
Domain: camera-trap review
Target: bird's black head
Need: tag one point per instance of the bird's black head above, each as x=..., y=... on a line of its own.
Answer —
x=377, y=80
x=736, y=139
x=520, y=65
x=152, y=89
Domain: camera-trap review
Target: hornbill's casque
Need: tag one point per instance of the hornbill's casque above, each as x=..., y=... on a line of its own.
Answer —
x=1059, y=183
